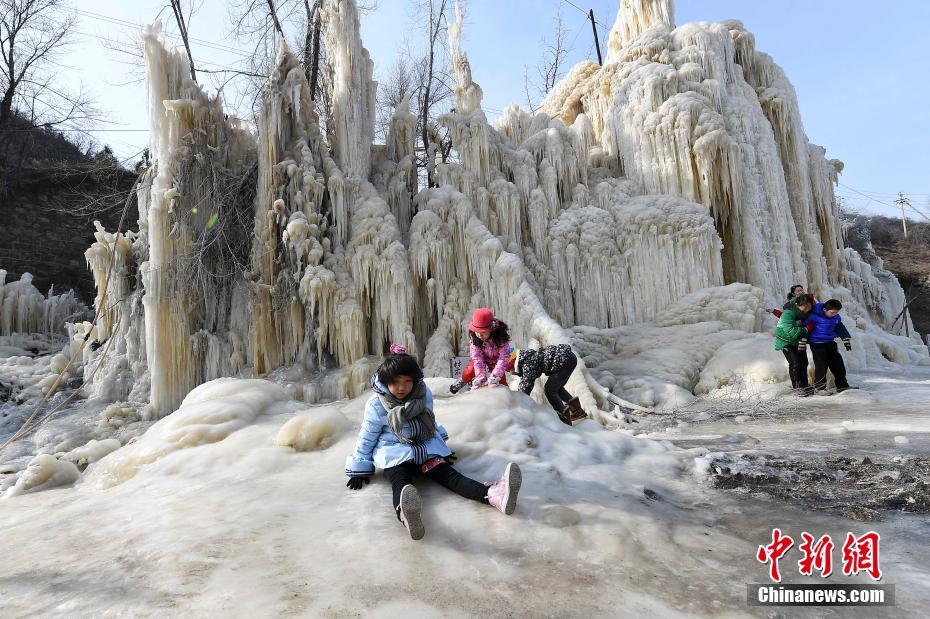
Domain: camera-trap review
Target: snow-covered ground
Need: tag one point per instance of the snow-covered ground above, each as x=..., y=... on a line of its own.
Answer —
x=209, y=512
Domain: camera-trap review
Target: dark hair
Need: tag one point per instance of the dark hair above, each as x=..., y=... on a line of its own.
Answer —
x=804, y=299
x=500, y=334
x=399, y=365
x=833, y=304
x=791, y=291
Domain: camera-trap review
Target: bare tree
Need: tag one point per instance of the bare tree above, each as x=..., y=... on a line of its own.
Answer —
x=402, y=79
x=312, y=45
x=434, y=76
x=32, y=35
x=422, y=70
x=550, y=69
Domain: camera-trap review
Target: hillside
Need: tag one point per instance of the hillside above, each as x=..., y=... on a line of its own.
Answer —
x=909, y=260
x=52, y=189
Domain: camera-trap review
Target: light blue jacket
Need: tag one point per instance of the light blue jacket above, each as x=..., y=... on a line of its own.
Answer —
x=377, y=445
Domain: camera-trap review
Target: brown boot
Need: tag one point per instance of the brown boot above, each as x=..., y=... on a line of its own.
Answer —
x=565, y=416
x=574, y=410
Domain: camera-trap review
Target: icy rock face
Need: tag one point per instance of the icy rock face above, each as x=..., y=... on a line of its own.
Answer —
x=674, y=108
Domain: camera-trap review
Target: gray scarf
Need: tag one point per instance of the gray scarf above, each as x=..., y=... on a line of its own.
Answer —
x=414, y=407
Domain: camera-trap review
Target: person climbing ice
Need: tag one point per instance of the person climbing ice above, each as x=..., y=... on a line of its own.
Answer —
x=400, y=435
x=825, y=325
x=788, y=333
x=557, y=362
x=489, y=348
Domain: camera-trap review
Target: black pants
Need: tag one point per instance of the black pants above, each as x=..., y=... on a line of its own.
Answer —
x=797, y=366
x=827, y=356
x=555, y=385
x=443, y=474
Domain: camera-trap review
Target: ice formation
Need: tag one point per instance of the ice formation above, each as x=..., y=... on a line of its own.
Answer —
x=670, y=192
x=23, y=309
x=44, y=471
x=208, y=414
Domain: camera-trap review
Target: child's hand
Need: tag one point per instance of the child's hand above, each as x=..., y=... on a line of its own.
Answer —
x=451, y=458
x=847, y=344
x=494, y=382
x=478, y=382
x=356, y=483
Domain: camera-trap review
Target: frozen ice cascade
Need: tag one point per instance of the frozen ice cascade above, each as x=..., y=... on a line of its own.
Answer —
x=671, y=192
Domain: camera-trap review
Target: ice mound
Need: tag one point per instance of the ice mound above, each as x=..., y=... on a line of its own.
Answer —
x=743, y=363
x=602, y=514
x=91, y=452
x=313, y=430
x=208, y=414
x=44, y=471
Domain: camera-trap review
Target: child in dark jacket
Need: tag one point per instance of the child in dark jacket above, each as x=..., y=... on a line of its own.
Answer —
x=825, y=325
x=400, y=435
x=557, y=362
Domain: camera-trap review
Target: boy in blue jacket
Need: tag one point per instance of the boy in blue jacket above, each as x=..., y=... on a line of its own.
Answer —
x=401, y=436
x=825, y=325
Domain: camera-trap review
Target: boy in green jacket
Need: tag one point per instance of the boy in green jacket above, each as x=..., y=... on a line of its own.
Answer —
x=789, y=331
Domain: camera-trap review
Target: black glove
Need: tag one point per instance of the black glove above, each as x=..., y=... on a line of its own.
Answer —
x=847, y=344
x=802, y=345
x=451, y=458
x=356, y=483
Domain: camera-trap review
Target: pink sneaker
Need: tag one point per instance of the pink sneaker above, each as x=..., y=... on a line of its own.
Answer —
x=409, y=511
x=503, y=494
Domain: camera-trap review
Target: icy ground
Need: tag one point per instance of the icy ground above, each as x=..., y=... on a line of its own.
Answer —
x=608, y=524
x=862, y=453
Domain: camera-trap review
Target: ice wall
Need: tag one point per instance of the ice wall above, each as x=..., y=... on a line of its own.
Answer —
x=677, y=171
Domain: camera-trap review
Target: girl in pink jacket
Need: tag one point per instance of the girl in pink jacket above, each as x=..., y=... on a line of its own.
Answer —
x=489, y=348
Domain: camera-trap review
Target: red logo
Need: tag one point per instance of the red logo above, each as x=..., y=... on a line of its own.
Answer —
x=860, y=554
x=773, y=552
x=817, y=556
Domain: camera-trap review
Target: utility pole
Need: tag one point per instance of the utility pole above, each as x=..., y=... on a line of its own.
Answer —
x=904, y=203
x=597, y=44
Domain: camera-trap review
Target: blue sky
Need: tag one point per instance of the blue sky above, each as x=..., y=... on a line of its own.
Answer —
x=859, y=71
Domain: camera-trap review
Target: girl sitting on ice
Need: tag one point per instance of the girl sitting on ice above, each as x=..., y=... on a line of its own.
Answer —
x=489, y=348
x=400, y=435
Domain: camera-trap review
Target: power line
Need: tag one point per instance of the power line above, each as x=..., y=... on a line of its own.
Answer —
x=867, y=196
x=122, y=22
x=894, y=206
x=575, y=6
x=196, y=61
